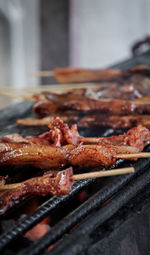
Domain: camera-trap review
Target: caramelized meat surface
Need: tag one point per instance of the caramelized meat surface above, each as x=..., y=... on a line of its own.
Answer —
x=59, y=184
x=73, y=75
x=57, y=103
x=112, y=121
x=63, y=146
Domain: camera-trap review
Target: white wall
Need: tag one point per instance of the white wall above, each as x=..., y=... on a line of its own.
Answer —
x=4, y=51
x=19, y=44
x=102, y=31
x=20, y=49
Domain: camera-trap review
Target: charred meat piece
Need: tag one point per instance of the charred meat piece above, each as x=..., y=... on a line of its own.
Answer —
x=75, y=75
x=48, y=184
x=41, y=156
x=48, y=157
x=137, y=135
x=92, y=155
x=60, y=134
x=112, y=121
x=88, y=121
x=57, y=103
x=67, y=147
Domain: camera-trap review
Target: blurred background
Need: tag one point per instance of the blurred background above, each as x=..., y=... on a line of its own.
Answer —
x=44, y=34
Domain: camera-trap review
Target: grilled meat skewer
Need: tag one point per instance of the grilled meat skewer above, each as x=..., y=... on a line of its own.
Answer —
x=58, y=183
x=60, y=134
x=63, y=146
x=111, y=121
x=51, y=183
x=73, y=75
x=54, y=103
x=115, y=122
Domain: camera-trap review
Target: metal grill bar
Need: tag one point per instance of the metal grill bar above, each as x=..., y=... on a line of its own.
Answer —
x=79, y=240
x=52, y=204
x=45, y=209
x=85, y=209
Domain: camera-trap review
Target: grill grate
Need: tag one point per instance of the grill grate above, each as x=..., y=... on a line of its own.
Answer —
x=119, y=188
x=52, y=204
x=85, y=209
x=78, y=241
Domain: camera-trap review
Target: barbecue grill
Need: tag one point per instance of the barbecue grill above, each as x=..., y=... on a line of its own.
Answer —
x=113, y=219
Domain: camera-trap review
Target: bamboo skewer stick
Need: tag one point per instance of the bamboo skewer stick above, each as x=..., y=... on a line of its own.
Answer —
x=99, y=174
x=106, y=173
x=17, y=96
x=48, y=73
x=133, y=155
x=95, y=140
x=53, y=87
x=51, y=73
x=61, y=89
x=10, y=186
